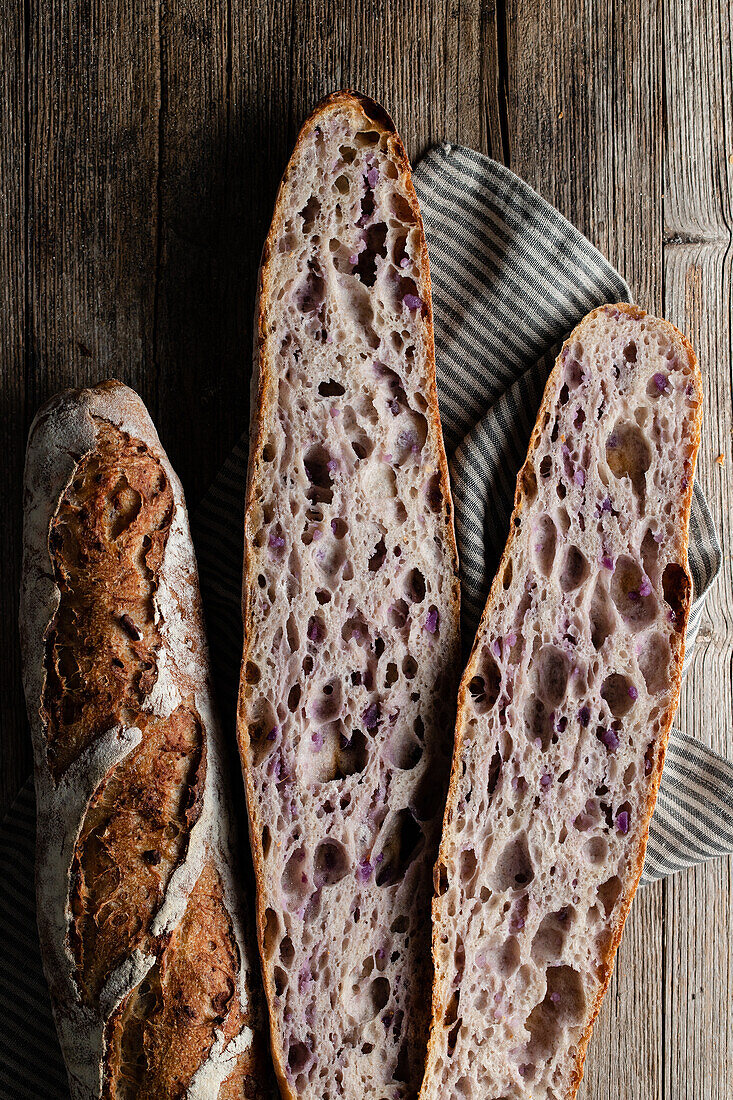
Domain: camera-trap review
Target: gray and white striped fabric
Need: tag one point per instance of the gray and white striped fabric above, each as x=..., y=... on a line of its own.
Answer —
x=510, y=278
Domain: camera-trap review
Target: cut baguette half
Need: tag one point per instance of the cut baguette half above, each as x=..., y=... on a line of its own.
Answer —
x=564, y=713
x=350, y=602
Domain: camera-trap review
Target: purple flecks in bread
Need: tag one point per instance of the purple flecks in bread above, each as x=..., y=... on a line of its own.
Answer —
x=351, y=616
x=561, y=737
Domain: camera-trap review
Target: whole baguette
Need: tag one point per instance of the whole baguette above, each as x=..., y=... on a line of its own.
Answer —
x=140, y=921
x=564, y=713
x=350, y=612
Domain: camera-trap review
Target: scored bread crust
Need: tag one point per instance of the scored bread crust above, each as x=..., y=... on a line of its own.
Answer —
x=366, y=113
x=678, y=553
x=65, y=433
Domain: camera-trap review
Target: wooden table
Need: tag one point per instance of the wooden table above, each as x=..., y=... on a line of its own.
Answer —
x=140, y=147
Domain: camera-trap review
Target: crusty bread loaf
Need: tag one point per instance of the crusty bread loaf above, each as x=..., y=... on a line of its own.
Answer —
x=138, y=912
x=563, y=715
x=351, y=614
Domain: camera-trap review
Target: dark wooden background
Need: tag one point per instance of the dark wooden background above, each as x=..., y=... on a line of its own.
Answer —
x=141, y=142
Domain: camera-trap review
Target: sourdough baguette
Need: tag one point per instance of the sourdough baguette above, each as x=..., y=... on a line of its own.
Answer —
x=139, y=917
x=564, y=713
x=351, y=596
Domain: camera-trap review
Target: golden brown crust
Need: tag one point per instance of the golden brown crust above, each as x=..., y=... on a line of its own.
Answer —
x=438, y=1010
x=263, y=372
x=107, y=542
x=133, y=836
x=163, y=1031
x=132, y=815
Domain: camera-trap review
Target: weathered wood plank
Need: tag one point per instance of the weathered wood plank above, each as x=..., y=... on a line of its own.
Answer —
x=698, y=296
x=79, y=106
x=14, y=743
x=93, y=101
x=202, y=263
x=585, y=129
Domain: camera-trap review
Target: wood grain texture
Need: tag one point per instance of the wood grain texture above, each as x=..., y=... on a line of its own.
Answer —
x=15, y=747
x=698, y=219
x=141, y=144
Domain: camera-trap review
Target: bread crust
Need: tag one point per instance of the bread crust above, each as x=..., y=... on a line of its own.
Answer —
x=439, y=1008
x=63, y=434
x=372, y=114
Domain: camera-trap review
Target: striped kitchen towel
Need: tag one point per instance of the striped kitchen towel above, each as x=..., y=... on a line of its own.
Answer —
x=510, y=278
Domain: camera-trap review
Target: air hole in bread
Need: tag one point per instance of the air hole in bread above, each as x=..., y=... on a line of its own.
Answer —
x=549, y=939
x=608, y=894
x=551, y=671
x=563, y=1006
x=403, y=750
x=484, y=687
x=654, y=658
x=575, y=569
x=538, y=723
x=403, y=842
x=398, y=614
x=596, y=849
x=271, y=934
x=544, y=543
x=379, y=992
x=295, y=885
x=629, y=455
x=400, y=207
x=331, y=389
x=620, y=693
x=494, y=772
x=310, y=213
x=294, y=698
x=312, y=291
x=415, y=586
x=676, y=588
x=513, y=869
x=650, y=553
x=252, y=673
x=434, y=493
x=330, y=863
x=262, y=729
x=299, y=1056
x=376, y=561
x=573, y=373
x=327, y=702
x=528, y=483
x=467, y=870
x=318, y=469
x=374, y=246
x=600, y=616
x=632, y=594
x=409, y=667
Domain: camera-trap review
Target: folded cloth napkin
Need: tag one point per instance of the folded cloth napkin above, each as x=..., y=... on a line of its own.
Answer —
x=510, y=277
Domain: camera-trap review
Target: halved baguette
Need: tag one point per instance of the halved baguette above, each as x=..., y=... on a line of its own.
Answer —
x=351, y=614
x=564, y=713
